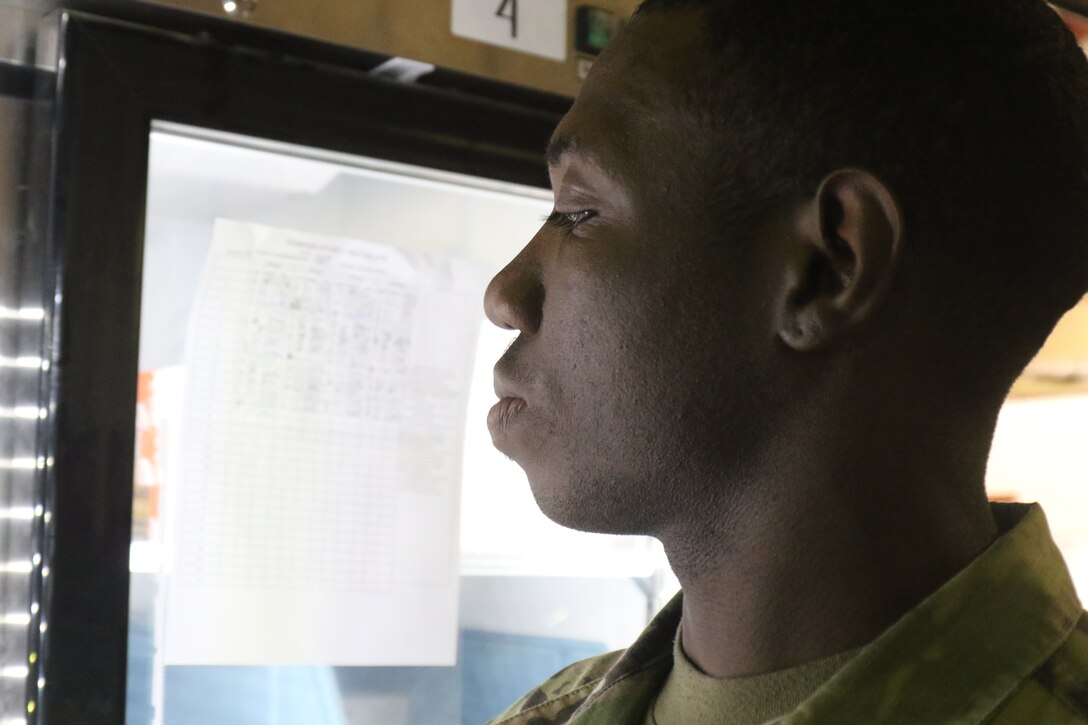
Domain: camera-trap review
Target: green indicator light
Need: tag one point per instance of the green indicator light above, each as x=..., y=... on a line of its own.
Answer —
x=594, y=29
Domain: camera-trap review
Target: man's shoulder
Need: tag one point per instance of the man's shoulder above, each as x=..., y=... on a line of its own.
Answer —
x=616, y=687
x=565, y=690
x=1057, y=691
x=1065, y=674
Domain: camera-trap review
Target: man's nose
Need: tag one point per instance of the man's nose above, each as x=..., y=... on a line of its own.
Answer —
x=515, y=297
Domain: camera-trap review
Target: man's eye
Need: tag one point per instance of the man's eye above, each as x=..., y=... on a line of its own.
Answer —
x=569, y=219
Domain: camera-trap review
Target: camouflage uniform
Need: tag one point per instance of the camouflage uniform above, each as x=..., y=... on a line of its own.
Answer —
x=1004, y=642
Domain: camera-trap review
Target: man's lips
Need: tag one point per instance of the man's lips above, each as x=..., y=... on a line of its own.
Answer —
x=510, y=376
x=503, y=413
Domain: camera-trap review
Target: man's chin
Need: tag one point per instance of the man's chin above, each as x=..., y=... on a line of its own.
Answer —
x=582, y=507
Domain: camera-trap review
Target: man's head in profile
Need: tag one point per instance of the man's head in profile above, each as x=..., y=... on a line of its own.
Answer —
x=799, y=253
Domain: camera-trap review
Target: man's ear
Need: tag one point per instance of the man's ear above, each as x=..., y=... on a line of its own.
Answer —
x=840, y=270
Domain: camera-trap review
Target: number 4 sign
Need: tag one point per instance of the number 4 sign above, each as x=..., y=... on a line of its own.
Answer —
x=531, y=26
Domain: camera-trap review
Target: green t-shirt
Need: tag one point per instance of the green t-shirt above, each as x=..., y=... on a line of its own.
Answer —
x=691, y=697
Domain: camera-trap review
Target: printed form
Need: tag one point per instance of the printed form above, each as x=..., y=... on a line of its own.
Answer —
x=315, y=519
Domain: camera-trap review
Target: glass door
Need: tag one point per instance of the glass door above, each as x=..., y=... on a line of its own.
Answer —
x=270, y=494
x=320, y=521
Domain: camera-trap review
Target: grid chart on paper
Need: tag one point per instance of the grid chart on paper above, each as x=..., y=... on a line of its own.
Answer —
x=292, y=468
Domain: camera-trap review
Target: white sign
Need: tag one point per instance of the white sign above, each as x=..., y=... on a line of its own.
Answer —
x=315, y=519
x=531, y=26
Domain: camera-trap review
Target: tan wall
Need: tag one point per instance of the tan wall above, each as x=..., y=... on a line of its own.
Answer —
x=18, y=26
x=416, y=29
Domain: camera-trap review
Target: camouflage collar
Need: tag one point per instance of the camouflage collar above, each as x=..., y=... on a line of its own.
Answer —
x=956, y=656
x=953, y=660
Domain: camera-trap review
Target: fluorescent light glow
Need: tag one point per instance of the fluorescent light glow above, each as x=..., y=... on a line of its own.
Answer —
x=16, y=567
x=18, y=513
x=27, y=363
x=16, y=672
x=230, y=6
x=21, y=464
x=24, y=413
x=24, y=313
x=15, y=619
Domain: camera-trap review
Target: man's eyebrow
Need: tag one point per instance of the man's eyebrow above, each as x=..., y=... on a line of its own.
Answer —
x=558, y=147
x=565, y=144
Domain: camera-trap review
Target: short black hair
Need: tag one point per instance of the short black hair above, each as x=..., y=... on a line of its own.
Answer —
x=975, y=112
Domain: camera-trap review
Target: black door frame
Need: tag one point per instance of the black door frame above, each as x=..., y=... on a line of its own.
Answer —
x=114, y=79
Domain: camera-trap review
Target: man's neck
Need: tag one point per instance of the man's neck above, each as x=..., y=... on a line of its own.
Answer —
x=824, y=563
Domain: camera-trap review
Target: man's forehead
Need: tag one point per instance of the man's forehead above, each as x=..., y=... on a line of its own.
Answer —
x=617, y=135
x=635, y=101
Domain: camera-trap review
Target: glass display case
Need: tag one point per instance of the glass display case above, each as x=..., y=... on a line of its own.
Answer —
x=24, y=412
x=267, y=493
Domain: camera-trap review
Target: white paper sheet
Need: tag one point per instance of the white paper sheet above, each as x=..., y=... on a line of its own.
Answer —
x=316, y=516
